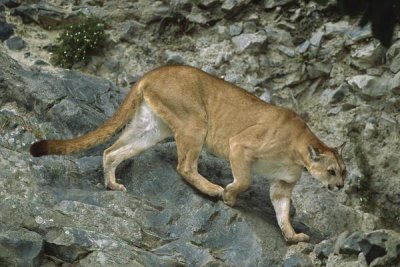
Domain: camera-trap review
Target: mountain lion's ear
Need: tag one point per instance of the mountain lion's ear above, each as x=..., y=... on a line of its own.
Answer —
x=315, y=154
x=340, y=148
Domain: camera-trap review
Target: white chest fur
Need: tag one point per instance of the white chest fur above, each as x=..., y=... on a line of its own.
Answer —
x=277, y=170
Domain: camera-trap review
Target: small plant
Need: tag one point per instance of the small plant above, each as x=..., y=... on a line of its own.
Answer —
x=78, y=40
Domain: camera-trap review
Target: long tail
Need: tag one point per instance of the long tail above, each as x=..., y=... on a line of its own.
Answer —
x=60, y=147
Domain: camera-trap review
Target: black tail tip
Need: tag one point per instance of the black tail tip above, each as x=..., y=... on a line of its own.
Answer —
x=39, y=148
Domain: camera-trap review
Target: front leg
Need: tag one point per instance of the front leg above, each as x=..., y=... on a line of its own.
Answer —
x=280, y=193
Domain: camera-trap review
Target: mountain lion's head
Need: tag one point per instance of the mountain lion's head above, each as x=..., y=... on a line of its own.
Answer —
x=327, y=166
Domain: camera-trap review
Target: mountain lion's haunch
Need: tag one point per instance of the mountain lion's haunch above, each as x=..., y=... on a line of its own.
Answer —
x=200, y=110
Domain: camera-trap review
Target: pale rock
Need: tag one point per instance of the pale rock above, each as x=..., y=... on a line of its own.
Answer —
x=334, y=96
x=368, y=56
x=199, y=16
x=247, y=41
x=209, y=3
x=316, y=38
x=266, y=96
x=232, y=7
x=236, y=29
x=394, y=84
x=286, y=50
x=173, y=57
x=395, y=65
x=370, y=130
x=278, y=36
x=302, y=48
x=370, y=87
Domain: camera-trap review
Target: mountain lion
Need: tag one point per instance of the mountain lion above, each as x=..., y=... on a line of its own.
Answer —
x=198, y=110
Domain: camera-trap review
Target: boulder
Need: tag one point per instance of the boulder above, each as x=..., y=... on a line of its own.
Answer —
x=369, y=87
x=44, y=14
x=249, y=41
x=6, y=30
x=20, y=248
x=15, y=43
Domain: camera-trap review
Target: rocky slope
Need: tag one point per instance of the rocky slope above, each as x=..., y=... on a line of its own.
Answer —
x=54, y=210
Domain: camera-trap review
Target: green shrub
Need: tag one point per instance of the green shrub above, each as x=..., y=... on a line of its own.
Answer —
x=78, y=40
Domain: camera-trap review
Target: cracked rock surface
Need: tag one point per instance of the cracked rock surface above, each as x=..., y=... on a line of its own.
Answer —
x=55, y=211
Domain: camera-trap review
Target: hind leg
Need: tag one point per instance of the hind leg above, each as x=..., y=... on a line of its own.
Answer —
x=145, y=130
x=189, y=144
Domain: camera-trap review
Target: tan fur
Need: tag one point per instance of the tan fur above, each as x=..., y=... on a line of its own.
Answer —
x=201, y=110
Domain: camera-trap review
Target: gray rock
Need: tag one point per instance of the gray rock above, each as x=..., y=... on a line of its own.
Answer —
x=250, y=27
x=10, y=3
x=6, y=30
x=236, y=29
x=249, y=41
x=332, y=29
x=395, y=65
x=275, y=3
x=112, y=65
x=394, y=84
x=209, y=3
x=374, y=245
x=334, y=96
x=49, y=15
x=266, y=96
x=155, y=11
x=69, y=244
x=27, y=12
x=209, y=69
x=351, y=33
x=20, y=248
x=232, y=7
x=278, y=36
x=319, y=69
x=42, y=13
x=370, y=87
x=287, y=51
x=40, y=62
x=339, y=241
x=223, y=32
x=130, y=31
x=370, y=130
x=316, y=38
x=352, y=244
x=335, y=111
x=222, y=58
x=15, y=43
x=303, y=47
x=368, y=56
x=376, y=248
x=324, y=249
x=298, y=260
x=173, y=57
x=199, y=16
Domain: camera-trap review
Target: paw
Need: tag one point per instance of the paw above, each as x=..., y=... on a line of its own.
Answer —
x=216, y=191
x=228, y=198
x=296, y=238
x=116, y=187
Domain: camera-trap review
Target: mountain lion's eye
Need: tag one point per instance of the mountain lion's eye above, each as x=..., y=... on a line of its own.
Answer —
x=332, y=172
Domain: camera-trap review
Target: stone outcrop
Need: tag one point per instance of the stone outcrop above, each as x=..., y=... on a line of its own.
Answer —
x=292, y=53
